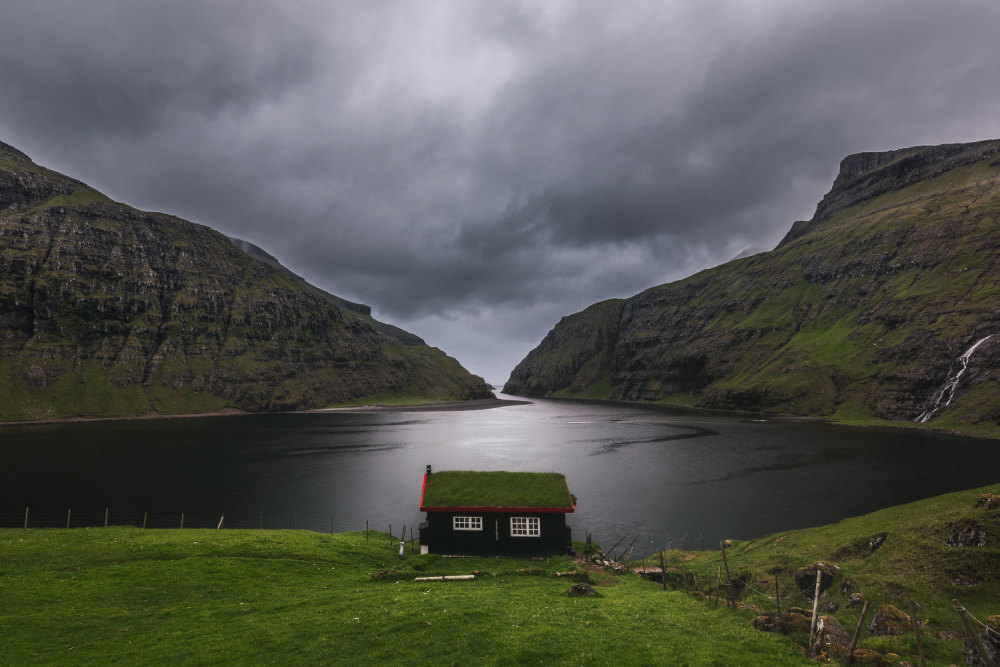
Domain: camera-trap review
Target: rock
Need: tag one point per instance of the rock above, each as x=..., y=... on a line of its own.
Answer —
x=875, y=541
x=855, y=600
x=831, y=638
x=988, y=500
x=829, y=606
x=582, y=590
x=989, y=637
x=793, y=620
x=971, y=535
x=867, y=656
x=889, y=620
x=805, y=578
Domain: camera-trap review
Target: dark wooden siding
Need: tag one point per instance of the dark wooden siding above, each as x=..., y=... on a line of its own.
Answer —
x=495, y=538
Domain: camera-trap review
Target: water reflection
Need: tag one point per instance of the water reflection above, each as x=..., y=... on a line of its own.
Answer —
x=635, y=470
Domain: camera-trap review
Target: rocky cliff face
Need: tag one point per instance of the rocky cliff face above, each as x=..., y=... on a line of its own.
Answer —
x=110, y=311
x=863, y=311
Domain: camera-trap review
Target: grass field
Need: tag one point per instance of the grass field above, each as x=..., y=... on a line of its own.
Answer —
x=126, y=595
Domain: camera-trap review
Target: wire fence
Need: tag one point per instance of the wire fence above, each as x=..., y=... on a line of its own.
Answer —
x=101, y=517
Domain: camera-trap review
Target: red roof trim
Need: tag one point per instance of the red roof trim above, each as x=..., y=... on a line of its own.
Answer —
x=541, y=510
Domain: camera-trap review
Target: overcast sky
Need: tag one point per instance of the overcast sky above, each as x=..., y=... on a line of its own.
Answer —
x=476, y=169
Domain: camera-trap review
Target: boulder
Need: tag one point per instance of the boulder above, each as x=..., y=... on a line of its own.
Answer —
x=795, y=619
x=990, y=639
x=582, y=590
x=832, y=639
x=990, y=501
x=875, y=541
x=970, y=535
x=805, y=578
x=889, y=620
x=867, y=656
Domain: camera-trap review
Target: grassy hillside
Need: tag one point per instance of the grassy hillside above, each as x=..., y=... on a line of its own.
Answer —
x=108, y=311
x=859, y=315
x=205, y=596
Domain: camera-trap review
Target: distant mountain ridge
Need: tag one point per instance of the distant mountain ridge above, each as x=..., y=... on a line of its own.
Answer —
x=109, y=311
x=862, y=313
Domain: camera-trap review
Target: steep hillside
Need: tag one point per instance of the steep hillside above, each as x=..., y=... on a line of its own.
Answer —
x=863, y=312
x=110, y=311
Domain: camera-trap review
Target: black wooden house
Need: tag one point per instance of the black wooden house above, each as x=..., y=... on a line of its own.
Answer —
x=495, y=513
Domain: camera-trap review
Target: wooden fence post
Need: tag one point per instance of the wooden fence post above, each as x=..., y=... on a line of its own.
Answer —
x=663, y=572
x=182, y=520
x=105, y=517
x=972, y=632
x=67, y=518
x=812, y=627
x=857, y=633
x=366, y=530
x=331, y=524
x=26, y=518
x=916, y=632
x=729, y=583
x=221, y=519
x=144, y=515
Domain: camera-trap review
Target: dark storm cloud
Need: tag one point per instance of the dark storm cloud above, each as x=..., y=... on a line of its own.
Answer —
x=474, y=171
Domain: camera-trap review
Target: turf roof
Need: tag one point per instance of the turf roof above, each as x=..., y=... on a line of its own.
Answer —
x=471, y=488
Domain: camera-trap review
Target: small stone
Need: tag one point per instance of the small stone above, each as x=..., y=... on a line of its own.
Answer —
x=581, y=590
x=971, y=535
x=990, y=501
x=855, y=600
x=889, y=620
x=831, y=638
x=805, y=578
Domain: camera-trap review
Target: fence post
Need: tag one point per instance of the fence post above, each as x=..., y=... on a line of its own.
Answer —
x=729, y=583
x=972, y=633
x=105, y=517
x=812, y=627
x=331, y=524
x=26, y=518
x=182, y=520
x=221, y=519
x=663, y=572
x=366, y=530
x=857, y=632
x=67, y=518
x=144, y=515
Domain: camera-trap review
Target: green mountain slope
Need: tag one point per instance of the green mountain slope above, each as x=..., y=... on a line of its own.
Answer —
x=862, y=312
x=106, y=310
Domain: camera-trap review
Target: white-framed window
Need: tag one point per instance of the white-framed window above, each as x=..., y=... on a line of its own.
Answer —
x=525, y=526
x=467, y=523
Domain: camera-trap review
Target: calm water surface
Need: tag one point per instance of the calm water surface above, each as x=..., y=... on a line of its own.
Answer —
x=637, y=471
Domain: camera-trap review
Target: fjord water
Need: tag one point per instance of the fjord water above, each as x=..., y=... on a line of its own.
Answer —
x=635, y=470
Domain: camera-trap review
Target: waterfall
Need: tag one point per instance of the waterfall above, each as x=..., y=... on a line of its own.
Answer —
x=943, y=398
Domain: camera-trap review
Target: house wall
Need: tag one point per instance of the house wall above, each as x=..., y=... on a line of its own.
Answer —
x=495, y=538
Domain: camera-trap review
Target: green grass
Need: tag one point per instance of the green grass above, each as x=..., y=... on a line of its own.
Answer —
x=473, y=488
x=913, y=563
x=108, y=595
x=201, y=596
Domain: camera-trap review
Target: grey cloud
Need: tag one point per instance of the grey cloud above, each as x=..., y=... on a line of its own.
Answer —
x=476, y=170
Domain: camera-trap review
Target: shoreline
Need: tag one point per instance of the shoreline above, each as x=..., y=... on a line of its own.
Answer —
x=450, y=406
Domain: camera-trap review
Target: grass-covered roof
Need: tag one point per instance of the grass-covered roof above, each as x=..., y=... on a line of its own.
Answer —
x=496, y=489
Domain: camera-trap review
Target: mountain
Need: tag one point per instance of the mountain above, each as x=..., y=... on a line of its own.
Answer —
x=884, y=306
x=106, y=310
